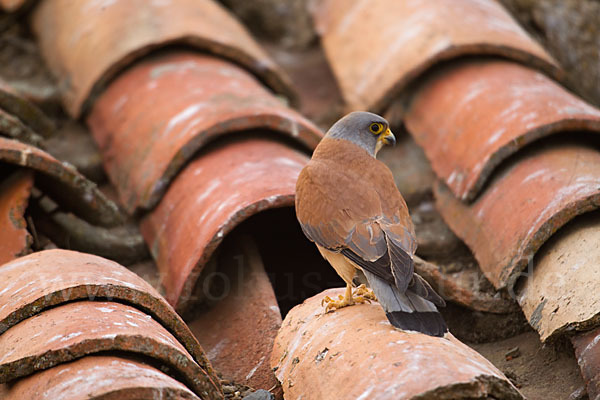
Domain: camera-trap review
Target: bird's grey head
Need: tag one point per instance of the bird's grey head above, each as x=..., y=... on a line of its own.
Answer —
x=367, y=130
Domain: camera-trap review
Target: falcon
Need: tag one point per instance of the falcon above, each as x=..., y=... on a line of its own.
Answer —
x=348, y=204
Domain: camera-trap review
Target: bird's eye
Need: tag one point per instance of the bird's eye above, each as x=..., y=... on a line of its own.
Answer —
x=376, y=128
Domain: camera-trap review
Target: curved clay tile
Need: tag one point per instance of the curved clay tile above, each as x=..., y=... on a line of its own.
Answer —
x=354, y=353
x=244, y=320
x=15, y=240
x=12, y=5
x=523, y=206
x=561, y=294
x=472, y=115
x=13, y=128
x=87, y=43
x=27, y=112
x=62, y=182
x=113, y=378
x=212, y=195
x=377, y=47
x=156, y=115
x=55, y=277
x=587, y=351
x=73, y=330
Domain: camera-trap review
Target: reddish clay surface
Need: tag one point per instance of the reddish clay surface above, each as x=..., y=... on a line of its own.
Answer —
x=62, y=182
x=587, y=351
x=471, y=116
x=377, y=47
x=49, y=278
x=74, y=330
x=355, y=353
x=245, y=322
x=95, y=377
x=523, y=207
x=86, y=56
x=212, y=195
x=156, y=116
x=15, y=240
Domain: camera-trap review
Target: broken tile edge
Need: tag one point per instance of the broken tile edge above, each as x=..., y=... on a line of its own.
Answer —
x=480, y=302
x=512, y=272
x=135, y=298
x=29, y=365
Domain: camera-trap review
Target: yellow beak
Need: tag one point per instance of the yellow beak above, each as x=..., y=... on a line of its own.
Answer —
x=388, y=137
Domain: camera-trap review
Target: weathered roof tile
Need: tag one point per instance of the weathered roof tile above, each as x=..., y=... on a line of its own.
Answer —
x=97, y=377
x=62, y=182
x=155, y=116
x=355, y=353
x=55, y=277
x=587, y=351
x=74, y=330
x=215, y=192
x=15, y=240
x=472, y=115
x=523, y=206
x=238, y=332
x=86, y=56
x=377, y=47
x=561, y=293
x=27, y=112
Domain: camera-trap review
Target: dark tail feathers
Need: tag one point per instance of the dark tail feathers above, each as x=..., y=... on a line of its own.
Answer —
x=429, y=322
x=409, y=311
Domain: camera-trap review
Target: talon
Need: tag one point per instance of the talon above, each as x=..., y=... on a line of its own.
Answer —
x=366, y=293
x=362, y=300
x=326, y=299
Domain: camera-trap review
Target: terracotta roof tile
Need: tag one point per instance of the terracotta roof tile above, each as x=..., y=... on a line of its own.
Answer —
x=123, y=243
x=27, y=112
x=560, y=294
x=355, y=353
x=20, y=119
x=523, y=207
x=11, y=5
x=13, y=128
x=67, y=186
x=238, y=332
x=461, y=287
x=55, y=277
x=196, y=143
x=170, y=106
x=74, y=330
x=15, y=240
x=376, y=48
x=86, y=56
x=472, y=115
x=587, y=351
x=99, y=377
x=213, y=194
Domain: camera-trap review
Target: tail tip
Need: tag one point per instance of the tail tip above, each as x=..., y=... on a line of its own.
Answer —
x=430, y=323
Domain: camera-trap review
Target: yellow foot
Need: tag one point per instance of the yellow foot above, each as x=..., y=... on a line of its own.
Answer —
x=361, y=295
x=365, y=293
x=337, y=304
